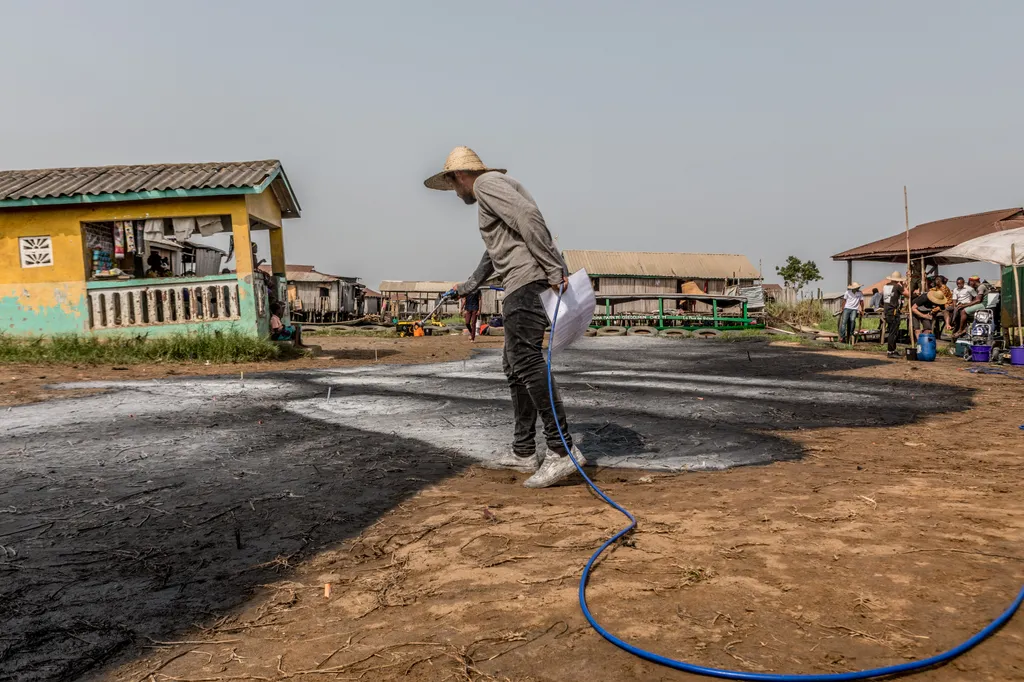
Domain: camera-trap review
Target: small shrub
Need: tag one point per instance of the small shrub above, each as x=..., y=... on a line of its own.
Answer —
x=802, y=313
x=230, y=346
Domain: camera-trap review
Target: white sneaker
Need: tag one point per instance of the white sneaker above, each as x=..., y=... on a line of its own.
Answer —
x=506, y=459
x=555, y=468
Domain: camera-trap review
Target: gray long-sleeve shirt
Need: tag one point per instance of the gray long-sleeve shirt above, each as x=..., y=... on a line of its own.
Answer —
x=519, y=246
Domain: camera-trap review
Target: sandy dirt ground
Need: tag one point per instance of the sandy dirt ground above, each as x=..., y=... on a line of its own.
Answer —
x=895, y=534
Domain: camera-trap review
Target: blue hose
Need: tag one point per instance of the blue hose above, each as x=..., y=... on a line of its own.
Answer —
x=902, y=668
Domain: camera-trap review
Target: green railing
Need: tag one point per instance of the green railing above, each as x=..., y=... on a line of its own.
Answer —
x=689, y=321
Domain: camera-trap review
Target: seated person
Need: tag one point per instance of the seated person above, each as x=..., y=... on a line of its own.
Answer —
x=980, y=301
x=938, y=283
x=876, y=299
x=280, y=331
x=158, y=267
x=925, y=307
x=963, y=296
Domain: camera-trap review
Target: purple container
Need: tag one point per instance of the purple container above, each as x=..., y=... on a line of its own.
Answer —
x=1017, y=355
x=980, y=353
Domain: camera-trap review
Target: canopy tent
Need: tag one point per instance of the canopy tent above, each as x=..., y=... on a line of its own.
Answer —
x=991, y=248
x=1002, y=248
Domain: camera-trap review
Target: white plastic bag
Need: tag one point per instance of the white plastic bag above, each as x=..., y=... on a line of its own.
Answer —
x=575, y=312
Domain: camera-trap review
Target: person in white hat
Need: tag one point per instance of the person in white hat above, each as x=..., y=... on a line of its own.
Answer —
x=853, y=303
x=519, y=248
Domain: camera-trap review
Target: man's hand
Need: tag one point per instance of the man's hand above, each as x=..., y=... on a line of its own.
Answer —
x=561, y=286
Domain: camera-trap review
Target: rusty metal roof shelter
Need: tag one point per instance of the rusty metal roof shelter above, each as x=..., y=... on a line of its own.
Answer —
x=304, y=273
x=929, y=239
x=56, y=186
x=655, y=264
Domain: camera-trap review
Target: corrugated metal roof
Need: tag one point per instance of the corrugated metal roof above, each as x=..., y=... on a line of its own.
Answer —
x=653, y=264
x=55, y=183
x=302, y=273
x=425, y=287
x=928, y=239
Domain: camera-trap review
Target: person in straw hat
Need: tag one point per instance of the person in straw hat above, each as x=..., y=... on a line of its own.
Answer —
x=925, y=307
x=519, y=248
x=892, y=300
x=853, y=304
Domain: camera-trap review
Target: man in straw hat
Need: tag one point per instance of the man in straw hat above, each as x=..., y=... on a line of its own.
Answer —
x=892, y=295
x=519, y=248
x=853, y=304
x=925, y=307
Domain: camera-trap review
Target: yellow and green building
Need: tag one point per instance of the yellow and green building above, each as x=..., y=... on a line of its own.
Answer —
x=107, y=250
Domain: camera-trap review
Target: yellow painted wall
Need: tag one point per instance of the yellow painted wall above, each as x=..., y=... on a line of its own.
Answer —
x=50, y=300
x=264, y=207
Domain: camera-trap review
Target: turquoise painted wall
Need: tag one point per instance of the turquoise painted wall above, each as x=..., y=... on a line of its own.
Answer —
x=21, y=315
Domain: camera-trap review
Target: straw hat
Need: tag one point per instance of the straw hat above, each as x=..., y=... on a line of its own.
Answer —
x=937, y=297
x=853, y=286
x=897, y=277
x=461, y=159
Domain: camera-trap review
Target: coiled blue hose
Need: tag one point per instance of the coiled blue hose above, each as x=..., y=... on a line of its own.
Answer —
x=721, y=673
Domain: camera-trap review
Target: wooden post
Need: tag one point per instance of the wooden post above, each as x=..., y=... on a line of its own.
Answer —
x=910, y=272
x=849, y=272
x=1016, y=291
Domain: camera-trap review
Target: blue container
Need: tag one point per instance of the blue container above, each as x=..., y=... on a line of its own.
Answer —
x=926, y=347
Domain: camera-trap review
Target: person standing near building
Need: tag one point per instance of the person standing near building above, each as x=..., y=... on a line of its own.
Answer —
x=519, y=248
x=894, y=293
x=471, y=312
x=853, y=304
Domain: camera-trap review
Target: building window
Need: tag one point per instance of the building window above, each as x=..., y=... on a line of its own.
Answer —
x=596, y=282
x=325, y=292
x=36, y=252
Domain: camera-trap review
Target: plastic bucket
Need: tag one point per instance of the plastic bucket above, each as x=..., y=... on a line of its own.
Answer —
x=980, y=353
x=911, y=354
x=926, y=347
x=1017, y=355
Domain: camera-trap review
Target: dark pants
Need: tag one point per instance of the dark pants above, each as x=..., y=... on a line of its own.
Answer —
x=892, y=328
x=847, y=324
x=525, y=365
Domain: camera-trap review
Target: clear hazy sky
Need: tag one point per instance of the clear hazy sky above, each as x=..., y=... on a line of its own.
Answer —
x=762, y=128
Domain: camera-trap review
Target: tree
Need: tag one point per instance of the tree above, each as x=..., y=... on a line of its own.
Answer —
x=797, y=273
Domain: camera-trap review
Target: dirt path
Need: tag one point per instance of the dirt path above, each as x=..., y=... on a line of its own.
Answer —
x=881, y=544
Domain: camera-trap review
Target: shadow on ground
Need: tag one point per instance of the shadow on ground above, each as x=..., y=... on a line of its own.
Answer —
x=132, y=529
x=135, y=515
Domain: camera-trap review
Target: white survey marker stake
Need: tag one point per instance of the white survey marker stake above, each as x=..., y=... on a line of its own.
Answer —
x=575, y=312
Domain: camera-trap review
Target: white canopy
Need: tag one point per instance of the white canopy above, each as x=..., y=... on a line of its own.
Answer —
x=992, y=248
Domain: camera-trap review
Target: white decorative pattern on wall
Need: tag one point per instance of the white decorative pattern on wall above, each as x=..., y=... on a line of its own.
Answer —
x=36, y=252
